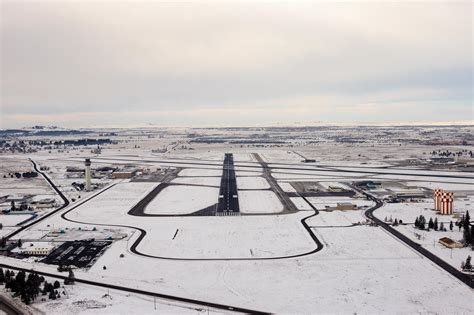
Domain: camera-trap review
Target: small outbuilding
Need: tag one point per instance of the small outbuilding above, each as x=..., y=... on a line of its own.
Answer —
x=449, y=243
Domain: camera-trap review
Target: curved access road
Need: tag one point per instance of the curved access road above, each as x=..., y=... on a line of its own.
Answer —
x=142, y=235
x=56, y=189
x=467, y=279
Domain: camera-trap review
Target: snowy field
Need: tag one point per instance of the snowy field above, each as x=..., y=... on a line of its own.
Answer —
x=259, y=201
x=252, y=183
x=207, y=181
x=446, y=186
x=180, y=199
x=248, y=173
x=286, y=187
x=237, y=237
x=337, y=218
x=200, y=172
x=13, y=219
x=300, y=203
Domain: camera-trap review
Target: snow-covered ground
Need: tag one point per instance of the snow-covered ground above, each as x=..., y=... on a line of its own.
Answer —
x=200, y=172
x=337, y=218
x=180, y=199
x=286, y=187
x=207, y=181
x=300, y=203
x=252, y=183
x=13, y=219
x=447, y=186
x=228, y=237
x=259, y=201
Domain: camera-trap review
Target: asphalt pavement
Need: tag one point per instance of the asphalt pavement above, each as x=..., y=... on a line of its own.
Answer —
x=228, y=198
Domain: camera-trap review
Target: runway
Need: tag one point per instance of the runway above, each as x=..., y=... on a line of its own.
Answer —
x=228, y=198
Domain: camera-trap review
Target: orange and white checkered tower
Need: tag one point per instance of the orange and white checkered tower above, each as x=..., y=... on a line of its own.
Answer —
x=437, y=199
x=447, y=199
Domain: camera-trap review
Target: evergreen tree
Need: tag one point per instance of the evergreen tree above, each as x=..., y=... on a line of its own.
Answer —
x=441, y=227
x=467, y=264
x=52, y=296
x=25, y=297
x=19, y=243
x=56, y=284
x=71, y=278
x=467, y=229
x=435, y=224
x=430, y=224
x=451, y=226
x=417, y=222
x=422, y=222
x=20, y=278
x=45, y=288
x=2, y=276
x=7, y=276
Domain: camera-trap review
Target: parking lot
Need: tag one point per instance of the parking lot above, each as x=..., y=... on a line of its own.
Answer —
x=81, y=254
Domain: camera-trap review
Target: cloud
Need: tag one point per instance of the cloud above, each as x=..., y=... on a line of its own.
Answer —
x=62, y=58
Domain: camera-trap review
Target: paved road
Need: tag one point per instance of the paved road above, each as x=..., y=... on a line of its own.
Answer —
x=288, y=206
x=142, y=292
x=228, y=198
x=417, y=247
x=7, y=307
x=56, y=189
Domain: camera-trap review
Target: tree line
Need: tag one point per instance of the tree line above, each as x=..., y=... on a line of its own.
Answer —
x=29, y=286
x=463, y=224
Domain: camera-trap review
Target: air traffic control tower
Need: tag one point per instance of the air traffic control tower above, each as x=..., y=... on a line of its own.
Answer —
x=88, y=174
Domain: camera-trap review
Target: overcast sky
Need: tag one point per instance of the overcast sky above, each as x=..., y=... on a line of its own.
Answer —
x=85, y=63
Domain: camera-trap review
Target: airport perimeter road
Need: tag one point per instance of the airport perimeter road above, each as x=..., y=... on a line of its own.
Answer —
x=56, y=189
x=142, y=292
x=467, y=279
x=288, y=206
x=228, y=198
